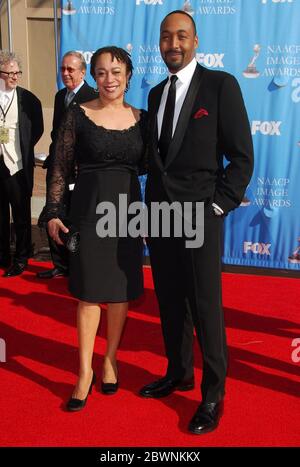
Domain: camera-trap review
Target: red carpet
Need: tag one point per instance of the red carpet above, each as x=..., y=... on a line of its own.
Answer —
x=38, y=326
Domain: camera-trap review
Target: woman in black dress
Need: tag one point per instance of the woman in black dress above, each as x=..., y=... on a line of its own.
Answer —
x=104, y=139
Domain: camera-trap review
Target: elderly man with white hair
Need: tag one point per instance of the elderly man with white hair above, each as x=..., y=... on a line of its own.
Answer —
x=21, y=126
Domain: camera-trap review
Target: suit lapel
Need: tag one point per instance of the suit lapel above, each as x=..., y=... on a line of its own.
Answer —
x=19, y=100
x=62, y=97
x=79, y=94
x=184, y=116
x=20, y=118
x=156, y=98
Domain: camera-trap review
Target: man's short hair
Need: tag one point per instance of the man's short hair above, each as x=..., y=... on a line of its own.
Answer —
x=7, y=57
x=181, y=12
x=78, y=55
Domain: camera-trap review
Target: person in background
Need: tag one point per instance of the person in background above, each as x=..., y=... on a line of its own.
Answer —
x=21, y=126
x=76, y=90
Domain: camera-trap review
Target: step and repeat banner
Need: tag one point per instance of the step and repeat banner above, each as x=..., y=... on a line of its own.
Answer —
x=258, y=41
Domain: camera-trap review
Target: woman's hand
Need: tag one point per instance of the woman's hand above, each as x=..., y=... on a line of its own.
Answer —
x=54, y=226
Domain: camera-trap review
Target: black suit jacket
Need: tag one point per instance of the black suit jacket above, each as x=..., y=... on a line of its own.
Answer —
x=85, y=93
x=31, y=127
x=193, y=170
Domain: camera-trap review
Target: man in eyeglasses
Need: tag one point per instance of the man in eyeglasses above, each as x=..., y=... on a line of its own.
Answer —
x=73, y=69
x=21, y=126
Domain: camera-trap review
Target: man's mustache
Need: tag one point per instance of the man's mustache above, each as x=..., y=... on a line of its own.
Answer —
x=171, y=51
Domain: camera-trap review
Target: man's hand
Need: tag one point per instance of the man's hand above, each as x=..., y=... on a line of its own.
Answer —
x=54, y=226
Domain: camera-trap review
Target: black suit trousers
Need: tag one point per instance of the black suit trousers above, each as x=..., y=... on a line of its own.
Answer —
x=59, y=255
x=188, y=287
x=14, y=192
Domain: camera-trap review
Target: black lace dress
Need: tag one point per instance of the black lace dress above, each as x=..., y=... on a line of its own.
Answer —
x=104, y=269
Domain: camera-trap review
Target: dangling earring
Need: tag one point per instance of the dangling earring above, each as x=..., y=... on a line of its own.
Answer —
x=127, y=86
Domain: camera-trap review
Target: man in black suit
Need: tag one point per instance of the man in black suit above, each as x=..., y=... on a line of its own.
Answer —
x=73, y=69
x=196, y=117
x=21, y=126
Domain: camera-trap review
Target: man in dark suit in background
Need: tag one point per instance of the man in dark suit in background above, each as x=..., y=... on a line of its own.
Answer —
x=196, y=117
x=73, y=69
x=21, y=126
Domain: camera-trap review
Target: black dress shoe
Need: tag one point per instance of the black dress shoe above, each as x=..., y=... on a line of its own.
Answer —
x=109, y=388
x=15, y=269
x=165, y=386
x=74, y=405
x=51, y=273
x=206, y=417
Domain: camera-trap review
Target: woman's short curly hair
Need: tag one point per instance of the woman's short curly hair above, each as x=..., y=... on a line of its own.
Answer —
x=116, y=52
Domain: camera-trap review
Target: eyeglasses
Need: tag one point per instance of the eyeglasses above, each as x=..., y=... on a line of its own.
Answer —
x=12, y=74
x=69, y=69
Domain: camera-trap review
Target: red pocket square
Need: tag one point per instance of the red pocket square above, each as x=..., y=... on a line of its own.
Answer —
x=200, y=113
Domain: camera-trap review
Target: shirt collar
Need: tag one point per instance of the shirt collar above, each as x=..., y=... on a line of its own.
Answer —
x=185, y=75
x=78, y=87
x=8, y=92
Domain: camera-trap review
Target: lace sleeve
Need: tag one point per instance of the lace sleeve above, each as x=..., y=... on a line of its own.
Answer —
x=143, y=164
x=60, y=170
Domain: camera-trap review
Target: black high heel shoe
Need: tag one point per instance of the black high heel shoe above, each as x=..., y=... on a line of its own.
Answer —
x=109, y=388
x=74, y=405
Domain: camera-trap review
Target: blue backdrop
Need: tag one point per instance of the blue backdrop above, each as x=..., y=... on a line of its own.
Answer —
x=258, y=41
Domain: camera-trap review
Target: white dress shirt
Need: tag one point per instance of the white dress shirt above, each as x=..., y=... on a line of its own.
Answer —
x=5, y=98
x=11, y=151
x=73, y=92
x=182, y=85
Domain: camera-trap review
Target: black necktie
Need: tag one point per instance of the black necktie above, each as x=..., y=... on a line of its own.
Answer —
x=167, y=123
